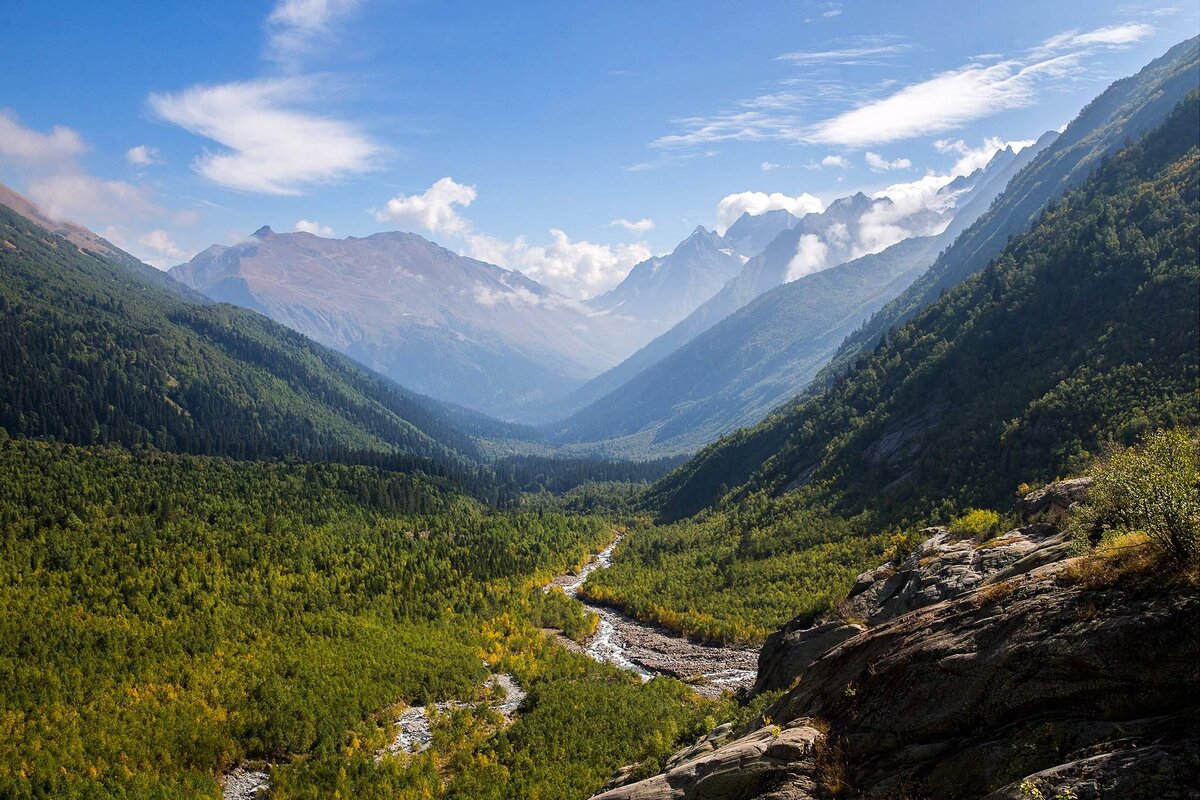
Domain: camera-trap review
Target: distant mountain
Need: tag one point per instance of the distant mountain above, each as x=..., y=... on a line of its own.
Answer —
x=767, y=351
x=1082, y=331
x=1124, y=111
x=439, y=323
x=750, y=233
x=848, y=228
x=662, y=290
x=108, y=350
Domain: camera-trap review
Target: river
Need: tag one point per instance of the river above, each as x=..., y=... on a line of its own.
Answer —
x=648, y=650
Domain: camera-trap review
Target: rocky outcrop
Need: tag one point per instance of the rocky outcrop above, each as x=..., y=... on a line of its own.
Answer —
x=975, y=668
x=940, y=568
x=772, y=763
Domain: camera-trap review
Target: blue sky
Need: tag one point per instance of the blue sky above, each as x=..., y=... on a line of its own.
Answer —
x=524, y=133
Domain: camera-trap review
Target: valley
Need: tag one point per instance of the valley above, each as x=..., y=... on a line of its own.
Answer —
x=884, y=491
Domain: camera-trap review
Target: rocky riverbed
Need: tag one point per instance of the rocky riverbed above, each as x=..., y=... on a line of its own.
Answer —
x=650, y=650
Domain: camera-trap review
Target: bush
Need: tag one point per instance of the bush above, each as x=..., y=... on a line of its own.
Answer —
x=976, y=522
x=1153, y=488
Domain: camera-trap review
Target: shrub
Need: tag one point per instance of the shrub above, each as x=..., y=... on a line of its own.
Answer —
x=976, y=522
x=1153, y=488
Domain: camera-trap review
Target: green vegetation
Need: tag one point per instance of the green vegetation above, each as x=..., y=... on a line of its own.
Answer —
x=735, y=574
x=977, y=523
x=1153, y=489
x=163, y=616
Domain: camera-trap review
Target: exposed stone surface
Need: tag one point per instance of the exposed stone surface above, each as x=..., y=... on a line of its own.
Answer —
x=985, y=670
x=772, y=762
x=1051, y=502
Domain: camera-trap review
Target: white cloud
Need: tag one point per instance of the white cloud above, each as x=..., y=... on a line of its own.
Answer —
x=577, y=269
x=835, y=12
x=143, y=155
x=767, y=166
x=26, y=145
x=880, y=164
x=434, y=209
x=272, y=147
x=637, y=226
x=313, y=227
x=944, y=102
x=161, y=242
x=1110, y=37
x=732, y=206
x=835, y=161
x=54, y=179
x=810, y=256
x=73, y=194
x=295, y=26
x=880, y=113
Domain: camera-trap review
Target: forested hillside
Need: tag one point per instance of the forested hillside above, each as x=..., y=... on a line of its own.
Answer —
x=94, y=352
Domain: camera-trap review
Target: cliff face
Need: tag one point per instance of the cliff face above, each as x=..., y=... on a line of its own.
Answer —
x=972, y=669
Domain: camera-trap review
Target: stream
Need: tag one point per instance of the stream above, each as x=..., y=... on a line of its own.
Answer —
x=650, y=650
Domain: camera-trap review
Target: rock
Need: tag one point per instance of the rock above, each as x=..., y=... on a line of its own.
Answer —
x=1151, y=772
x=1051, y=502
x=778, y=763
x=904, y=697
x=787, y=652
x=943, y=567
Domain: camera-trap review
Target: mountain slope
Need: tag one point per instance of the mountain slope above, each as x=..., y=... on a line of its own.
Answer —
x=846, y=229
x=1123, y=112
x=662, y=290
x=97, y=351
x=766, y=352
x=1083, y=330
x=442, y=324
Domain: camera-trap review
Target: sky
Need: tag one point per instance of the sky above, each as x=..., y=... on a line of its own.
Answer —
x=564, y=139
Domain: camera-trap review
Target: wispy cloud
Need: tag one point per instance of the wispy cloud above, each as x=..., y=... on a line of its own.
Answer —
x=795, y=110
x=294, y=27
x=272, y=145
x=854, y=51
x=1112, y=36
x=636, y=226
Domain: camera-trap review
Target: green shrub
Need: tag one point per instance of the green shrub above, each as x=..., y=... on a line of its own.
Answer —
x=1153, y=488
x=976, y=522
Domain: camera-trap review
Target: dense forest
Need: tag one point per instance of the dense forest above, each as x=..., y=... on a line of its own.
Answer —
x=164, y=616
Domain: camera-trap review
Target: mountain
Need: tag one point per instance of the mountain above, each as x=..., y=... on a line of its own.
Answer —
x=750, y=233
x=1083, y=330
x=1124, y=111
x=662, y=290
x=100, y=350
x=441, y=324
x=81, y=237
x=848, y=228
x=766, y=352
